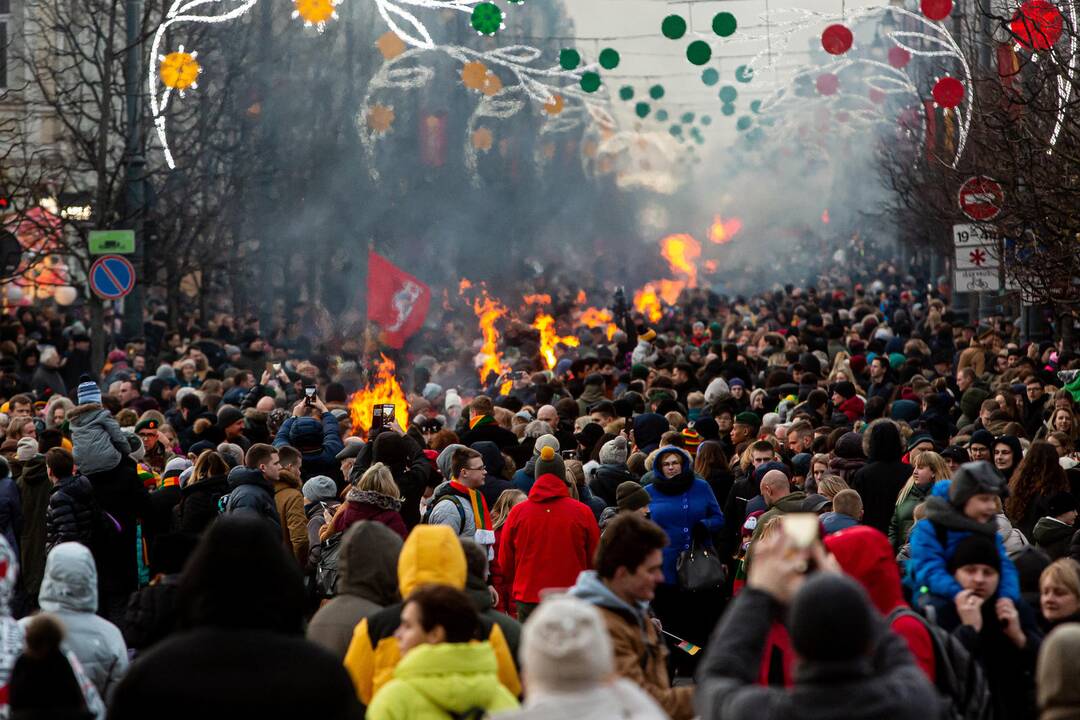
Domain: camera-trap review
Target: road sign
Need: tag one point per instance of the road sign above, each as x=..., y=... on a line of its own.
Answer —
x=111, y=277
x=981, y=198
x=976, y=258
x=106, y=242
x=977, y=280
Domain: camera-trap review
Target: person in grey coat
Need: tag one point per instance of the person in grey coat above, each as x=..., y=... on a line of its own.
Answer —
x=70, y=592
x=367, y=582
x=851, y=665
x=97, y=442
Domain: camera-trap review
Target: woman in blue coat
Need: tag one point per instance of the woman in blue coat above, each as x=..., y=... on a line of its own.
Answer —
x=681, y=503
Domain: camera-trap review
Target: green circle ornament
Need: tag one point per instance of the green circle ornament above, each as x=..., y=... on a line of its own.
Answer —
x=710, y=76
x=673, y=27
x=609, y=59
x=724, y=24
x=698, y=52
x=590, y=82
x=487, y=18
x=569, y=58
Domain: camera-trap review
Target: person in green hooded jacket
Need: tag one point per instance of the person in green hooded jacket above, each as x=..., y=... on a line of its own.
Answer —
x=442, y=673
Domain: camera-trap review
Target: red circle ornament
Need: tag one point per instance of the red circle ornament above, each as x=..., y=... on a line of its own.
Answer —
x=899, y=57
x=936, y=9
x=1037, y=25
x=948, y=92
x=827, y=84
x=836, y=39
x=877, y=96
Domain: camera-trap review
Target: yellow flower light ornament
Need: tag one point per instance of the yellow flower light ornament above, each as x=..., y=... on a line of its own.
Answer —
x=315, y=12
x=180, y=70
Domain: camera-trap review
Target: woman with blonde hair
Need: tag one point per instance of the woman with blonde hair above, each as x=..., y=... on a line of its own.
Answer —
x=1059, y=593
x=198, y=506
x=56, y=411
x=929, y=468
x=1062, y=420
x=499, y=512
x=829, y=485
x=375, y=497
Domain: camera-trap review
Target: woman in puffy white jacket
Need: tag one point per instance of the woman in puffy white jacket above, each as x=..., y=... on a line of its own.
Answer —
x=568, y=668
x=70, y=592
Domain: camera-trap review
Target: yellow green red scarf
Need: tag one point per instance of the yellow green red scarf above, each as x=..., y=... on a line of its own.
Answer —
x=480, y=420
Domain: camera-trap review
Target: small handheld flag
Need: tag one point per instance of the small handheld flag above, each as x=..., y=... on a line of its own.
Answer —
x=685, y=645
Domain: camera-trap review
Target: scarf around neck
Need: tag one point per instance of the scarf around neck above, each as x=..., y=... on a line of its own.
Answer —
x=485, y=532
x=480, y=420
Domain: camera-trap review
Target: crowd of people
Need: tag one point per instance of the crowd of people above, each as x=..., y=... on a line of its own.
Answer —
x=841, y=499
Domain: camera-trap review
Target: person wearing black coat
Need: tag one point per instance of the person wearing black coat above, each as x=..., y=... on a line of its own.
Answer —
x=240, y=649
x=880, y=480
x=70, y=515
x=251, y=491
x=411, y=469
x=151, y=614
x=606, y=480
x=198, y=506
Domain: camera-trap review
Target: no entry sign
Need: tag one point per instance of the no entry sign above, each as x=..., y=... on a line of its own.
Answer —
x=111, y=277
x=981, y=198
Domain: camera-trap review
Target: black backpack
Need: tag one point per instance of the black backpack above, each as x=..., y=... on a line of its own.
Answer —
x=326, y=571
x=457, y=506
x=957, y=675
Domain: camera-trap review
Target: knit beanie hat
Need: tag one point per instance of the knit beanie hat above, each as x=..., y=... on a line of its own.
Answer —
x=319, y=488
x=88, y=391
x=748, y=418
x=545, y=441
x=175, y=467
x=550, y=463
x=690, y=440
x=26, y=449
x=614, y=452
x=228, y=415
x=831, y=619
x=631, y=496
x=974, y=549
x=982, y=437
x=975, y=478
x=565, y=646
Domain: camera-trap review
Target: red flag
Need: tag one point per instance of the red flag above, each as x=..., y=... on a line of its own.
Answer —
x=396, y=301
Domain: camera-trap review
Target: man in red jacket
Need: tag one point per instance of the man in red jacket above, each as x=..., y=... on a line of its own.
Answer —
x=548, y=539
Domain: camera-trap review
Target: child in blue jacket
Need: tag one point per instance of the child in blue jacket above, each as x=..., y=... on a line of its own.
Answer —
x=969, y=506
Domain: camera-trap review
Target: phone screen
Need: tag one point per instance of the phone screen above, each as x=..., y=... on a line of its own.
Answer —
x=381, y=415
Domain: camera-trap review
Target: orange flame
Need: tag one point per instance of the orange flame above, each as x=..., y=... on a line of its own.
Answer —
x=647, y=303
x=681, y=251
x=538, y=299
x=580, y=297
x=722, y=231
x=670, y=290
x=382, y=388
x=710, y=266
x=549, y=338
x=463, y=285
x=488, y=311
x=595, y=317
x=825, y=216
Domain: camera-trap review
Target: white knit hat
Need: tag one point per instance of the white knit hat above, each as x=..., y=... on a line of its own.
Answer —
x=26, y=449
x=565, y=646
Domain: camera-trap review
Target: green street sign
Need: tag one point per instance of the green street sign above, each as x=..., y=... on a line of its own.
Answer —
x=112, y=242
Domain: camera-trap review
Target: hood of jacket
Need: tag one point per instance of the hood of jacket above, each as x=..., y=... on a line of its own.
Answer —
x=590, y=588
x=790, y=503
x=850, y=447
x=367, y=564
x=241, y=475
x=306, y=434
x=82, y=415
x=287, y=479
x=34, y=471
x=493, y=459
x=548, y=487
x=431, y=554
x=866, y=555
x=374, y=499
x=675, y=485
x=477, y=590
x=443, y=462
x=648, y=429
x=456, y=677
x=214, y=483
x=70, y=581
x=882, y=442
x=1051, y=530
x=941, y=512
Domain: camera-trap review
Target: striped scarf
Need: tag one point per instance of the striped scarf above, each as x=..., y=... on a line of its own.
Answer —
x=147, y=476
x=485, y=529
x=481, y=420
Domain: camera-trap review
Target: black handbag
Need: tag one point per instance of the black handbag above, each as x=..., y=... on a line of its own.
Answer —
x=700, y=567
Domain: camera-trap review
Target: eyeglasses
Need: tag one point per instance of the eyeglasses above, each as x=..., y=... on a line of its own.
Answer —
x=147, y=434
x=475, y=469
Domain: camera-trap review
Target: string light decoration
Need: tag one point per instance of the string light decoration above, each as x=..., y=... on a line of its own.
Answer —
x=400, y=17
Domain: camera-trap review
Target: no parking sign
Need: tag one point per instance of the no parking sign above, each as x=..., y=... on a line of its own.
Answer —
x=111, y=277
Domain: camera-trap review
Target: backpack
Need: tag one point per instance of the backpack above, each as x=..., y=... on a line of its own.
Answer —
x=958, y=677
x=457, y=505
x=326, y=571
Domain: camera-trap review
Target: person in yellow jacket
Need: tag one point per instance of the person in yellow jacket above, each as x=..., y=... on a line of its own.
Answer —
x=443, y=673
x=431, y=555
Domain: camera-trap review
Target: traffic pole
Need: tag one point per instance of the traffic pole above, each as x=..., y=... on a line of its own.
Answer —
x=135, y=164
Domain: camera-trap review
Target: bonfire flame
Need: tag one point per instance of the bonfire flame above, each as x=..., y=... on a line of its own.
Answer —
x=488, y=311
x=670, y=290
x=825, y=217
x=722, y=231
x=647, y=303
x=381, y=388
x=580, y=297
x=463, y=285
x=595, y=317
x=538, y=299
x=549, y=338
x=681, y=251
